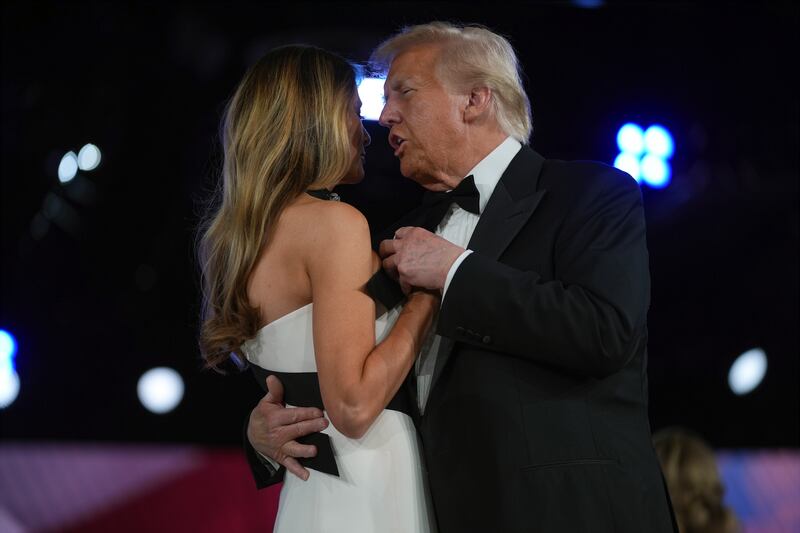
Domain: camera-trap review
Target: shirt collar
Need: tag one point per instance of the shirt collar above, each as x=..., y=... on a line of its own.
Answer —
x=488, y=171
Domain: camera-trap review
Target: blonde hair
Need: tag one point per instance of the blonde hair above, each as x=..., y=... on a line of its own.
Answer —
x=284, y=131
x=695, y=487
x=471, y=56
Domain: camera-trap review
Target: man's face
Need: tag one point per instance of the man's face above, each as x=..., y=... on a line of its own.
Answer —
x=425, y=119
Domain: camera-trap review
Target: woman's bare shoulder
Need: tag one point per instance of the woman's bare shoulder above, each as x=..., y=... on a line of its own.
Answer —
x=319, y=231
x=335, y=221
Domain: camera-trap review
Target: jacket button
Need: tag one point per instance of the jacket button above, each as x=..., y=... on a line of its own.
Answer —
x=487, y=340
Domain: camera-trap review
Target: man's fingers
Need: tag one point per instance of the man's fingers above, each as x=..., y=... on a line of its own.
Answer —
x=295, y=449
x=387, y=247
x=405, y=287
x=293, y=415
x=295, y=468
x=399, y=234
x=390, y=265
x=274, y=389
x=306, y=427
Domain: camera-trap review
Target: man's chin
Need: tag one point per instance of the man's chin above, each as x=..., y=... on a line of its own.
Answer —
x=426, y=181
x=413, y=173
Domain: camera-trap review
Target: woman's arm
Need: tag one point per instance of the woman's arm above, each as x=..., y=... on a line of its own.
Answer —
x=357, y=378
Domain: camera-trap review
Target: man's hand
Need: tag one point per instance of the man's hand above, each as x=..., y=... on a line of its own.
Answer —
x=273, y=428
x=418, y=258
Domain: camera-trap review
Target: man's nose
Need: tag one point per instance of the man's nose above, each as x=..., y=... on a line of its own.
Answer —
x=388, y=116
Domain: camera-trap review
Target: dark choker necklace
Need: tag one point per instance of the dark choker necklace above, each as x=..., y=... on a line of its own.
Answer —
x=323, y=194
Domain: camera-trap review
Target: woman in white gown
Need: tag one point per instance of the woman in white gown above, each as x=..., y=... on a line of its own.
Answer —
x=284, y=270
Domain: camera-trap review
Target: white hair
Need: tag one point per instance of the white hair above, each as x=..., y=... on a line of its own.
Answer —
x=471, y=56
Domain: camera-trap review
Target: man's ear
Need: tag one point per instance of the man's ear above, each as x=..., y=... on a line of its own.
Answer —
x=478, y=104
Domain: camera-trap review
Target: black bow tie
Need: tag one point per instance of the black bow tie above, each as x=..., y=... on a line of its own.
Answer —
x=465, y=195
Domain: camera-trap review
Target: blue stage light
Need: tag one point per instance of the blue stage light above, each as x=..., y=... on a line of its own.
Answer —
x=644, y=154
x=656, y=172
x=658, y=142
x=630, y=139
x=8, y=346
x=589, y=4
x=628, y=163
x=9, y=380
x=370, y=90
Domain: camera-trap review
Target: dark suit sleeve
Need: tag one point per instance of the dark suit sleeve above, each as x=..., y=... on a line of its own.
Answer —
x=263, y=474
x=591, y=317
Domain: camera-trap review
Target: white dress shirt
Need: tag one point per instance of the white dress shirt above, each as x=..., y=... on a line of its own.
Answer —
x=457, y=227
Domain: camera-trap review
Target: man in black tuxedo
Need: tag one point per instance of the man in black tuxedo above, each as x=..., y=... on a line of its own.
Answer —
x=533, y=392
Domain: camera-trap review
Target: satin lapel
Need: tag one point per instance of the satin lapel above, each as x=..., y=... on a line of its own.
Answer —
x=513, y=201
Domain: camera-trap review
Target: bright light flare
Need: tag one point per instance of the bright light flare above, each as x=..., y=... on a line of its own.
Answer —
x=68, y=168
x=89, y=157
x=630, y=139
x=9, y=388
x=658, y=142
x=9, y=380
x=160, y=390
x=656, y=172
x=8, y=346
x=370, y=90
x=629, y=163
x=747, y=371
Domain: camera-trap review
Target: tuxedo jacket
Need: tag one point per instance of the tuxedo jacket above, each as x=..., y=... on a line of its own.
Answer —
x=537, y=416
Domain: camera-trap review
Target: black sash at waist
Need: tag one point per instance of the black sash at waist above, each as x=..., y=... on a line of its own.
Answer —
x=301, y=389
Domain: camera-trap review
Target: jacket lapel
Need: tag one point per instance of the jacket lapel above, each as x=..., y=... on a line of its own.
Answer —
x=511, y=205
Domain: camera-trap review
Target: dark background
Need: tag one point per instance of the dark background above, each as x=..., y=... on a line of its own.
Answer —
x=99, y=282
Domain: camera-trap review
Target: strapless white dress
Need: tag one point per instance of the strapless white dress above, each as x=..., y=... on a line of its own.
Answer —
x=382, y=486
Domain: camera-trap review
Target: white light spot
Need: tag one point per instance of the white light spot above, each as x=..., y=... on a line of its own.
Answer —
x=658, y=141
x=9, y=380
x=655, y=171
x=9, y=388
x=68, y=167
x=628, y=163
x=160, y=390
x=89, y=157
x=630, y=139
x=370, y=90
x=747, y=371
x=8, y=346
